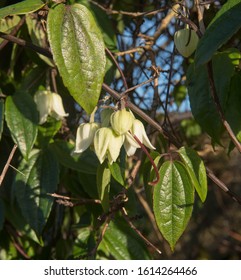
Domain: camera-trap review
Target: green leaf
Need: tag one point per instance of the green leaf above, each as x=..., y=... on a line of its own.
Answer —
x=224, y=25
x=7, y=25
x=173, y=200
x=22, y=120
x=38, y=36
x=86, y=162
x=21, y=8
x=78, y=51
x=1, y=117
x=179, y=94
x=47, y=131
x=117, y=173
x=123, y=243
x=103, y=184
x=196, y=170
x=201, y=102
x=37, y=177
x=2, y=216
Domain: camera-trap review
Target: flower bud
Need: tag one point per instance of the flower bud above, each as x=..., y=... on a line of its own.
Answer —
x=121, y=121
x=186, y=41
x=85, y=136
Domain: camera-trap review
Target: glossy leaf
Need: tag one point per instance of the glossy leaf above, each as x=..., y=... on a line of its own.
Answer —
x=38, y=36
x=47, y=131
x=201, y=102
x=21, y=8
x=7, y=25
x=117, y=173
x=86, y=162
x=196, y=170
x=1, y=117
x=103, y=184
x=122, y=243
x=39, y=177
x=173, y=199
x=22, y=120
x=224, y=25
x=78, y=51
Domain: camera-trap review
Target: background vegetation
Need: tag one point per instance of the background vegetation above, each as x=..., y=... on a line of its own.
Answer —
x=52, y=204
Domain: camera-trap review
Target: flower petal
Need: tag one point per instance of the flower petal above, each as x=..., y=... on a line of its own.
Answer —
x=85, y=136
x=115, y=144
x=138, y=130
x=101, y=142
x=43, y=101
x=57, y=110
x=130, y=149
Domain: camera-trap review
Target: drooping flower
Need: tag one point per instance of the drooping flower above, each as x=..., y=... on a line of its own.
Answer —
x=131, y=144
x=85, y=136
x=107, y=144
x=49, y=104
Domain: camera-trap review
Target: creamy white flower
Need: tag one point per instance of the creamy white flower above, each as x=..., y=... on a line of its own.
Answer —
x=49, y=104
x=121, y=121
x=131, y=144
x=107, y=144
x=85, y=136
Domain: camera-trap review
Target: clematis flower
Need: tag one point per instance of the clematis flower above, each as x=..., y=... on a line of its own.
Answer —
x=107, y=144
x=85, y=136
x=49, y=104
x=121, y=121
x=131, y=144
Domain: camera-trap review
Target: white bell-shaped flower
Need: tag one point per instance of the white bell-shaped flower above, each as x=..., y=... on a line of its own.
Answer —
x=49, y=104
x=121, y=121
x=57, y=109
x=85, y=136
x=43, y=101
x=131, y=144
x=107, y=144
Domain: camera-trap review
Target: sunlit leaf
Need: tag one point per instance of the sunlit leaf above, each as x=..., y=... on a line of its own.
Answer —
x=173, y=200
x=196, y=170
x=24, y=7
x=78, y=51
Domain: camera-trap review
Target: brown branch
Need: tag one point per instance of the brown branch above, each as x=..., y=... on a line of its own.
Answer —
x=14, y=31
x=5, y=169
x=118, y=67
x=125, y=216
x=131, y=14
x=215, y=98
x=26, y=44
